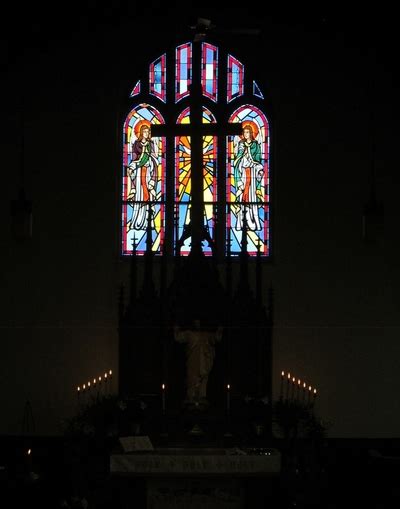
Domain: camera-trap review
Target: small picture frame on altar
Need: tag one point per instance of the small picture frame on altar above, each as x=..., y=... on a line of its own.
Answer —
x=136, y=443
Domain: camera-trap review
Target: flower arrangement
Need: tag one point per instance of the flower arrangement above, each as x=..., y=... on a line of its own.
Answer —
x=294, y=419
x=108, y=416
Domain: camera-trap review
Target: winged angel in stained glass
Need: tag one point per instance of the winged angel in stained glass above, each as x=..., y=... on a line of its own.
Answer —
x=248, y=176
x=142, y=171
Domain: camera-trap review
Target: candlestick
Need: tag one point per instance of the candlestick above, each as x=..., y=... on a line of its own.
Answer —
x=110, y=377
x=309, y=393
x=304, y=391
x=298, y=389
x=163, y=398
x=105, y=384
x=95, y=389
x=287, y=386
x=315, y=397
x=228, y=398
x=293, y=386
x=281, y=391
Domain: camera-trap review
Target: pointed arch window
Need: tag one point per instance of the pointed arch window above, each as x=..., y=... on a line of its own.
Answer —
x=143, y=181
x=209, y=71
x=158, y=78
x=235, y=78
x=247, y=195
x=183, y=70
x=157, y=192
x=183, y=184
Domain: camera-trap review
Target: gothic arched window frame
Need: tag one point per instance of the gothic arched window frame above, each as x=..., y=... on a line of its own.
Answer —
x=170, y=101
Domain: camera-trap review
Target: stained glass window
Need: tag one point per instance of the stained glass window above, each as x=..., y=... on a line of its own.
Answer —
x=136, y=89
x=157, y=174
x=209, y=70
x=183, y=184
x=183, y=70
x=158, y=78
x=235, y=79
x=248, y=182
x=143, y=181
x=256, y=91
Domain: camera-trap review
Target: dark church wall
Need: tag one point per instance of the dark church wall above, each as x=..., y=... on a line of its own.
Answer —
x=336, y=309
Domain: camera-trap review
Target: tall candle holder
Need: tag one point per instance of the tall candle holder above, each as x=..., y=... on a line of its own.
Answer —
x=293, y=387
x=163, y=404
x=287, y=386
x=228, y=432
x=314, y=399
x=164, y=430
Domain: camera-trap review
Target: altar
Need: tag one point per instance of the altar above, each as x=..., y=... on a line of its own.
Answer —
x=199, y=478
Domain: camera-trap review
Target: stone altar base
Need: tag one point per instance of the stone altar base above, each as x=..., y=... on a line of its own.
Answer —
x=198, y=478
x=189, y=493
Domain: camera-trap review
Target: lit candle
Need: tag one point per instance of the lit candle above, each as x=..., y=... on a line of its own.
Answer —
x=228, y=398
x=315, y=397
x=281, y=391
x=78, y=391
x=163, y=397
x=304, y=391
x=309, y=393
x=293, y=386
x=111, y=380
x=105, y=383
x=298, y=389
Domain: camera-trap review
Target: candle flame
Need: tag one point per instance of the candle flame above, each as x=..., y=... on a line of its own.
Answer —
x=283, y=373
x=299, y=381
x=99, y=378
x=293, y=379
x=105, y=375
x=88, y=384
x=94, y=380
x=228, y=387
x=78, y=388
x=84, y=386
x=28, y=452
x=309, y=387
x=288, y=375
x=315, y=392
x=163, y=387
x=304, y=385
x=110, y=372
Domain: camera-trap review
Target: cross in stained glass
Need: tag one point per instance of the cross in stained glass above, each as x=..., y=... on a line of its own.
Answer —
x=196, y=129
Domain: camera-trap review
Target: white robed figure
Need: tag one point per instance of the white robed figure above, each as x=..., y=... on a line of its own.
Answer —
x=248, y=176
x=142, y=170
x=200, y=353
